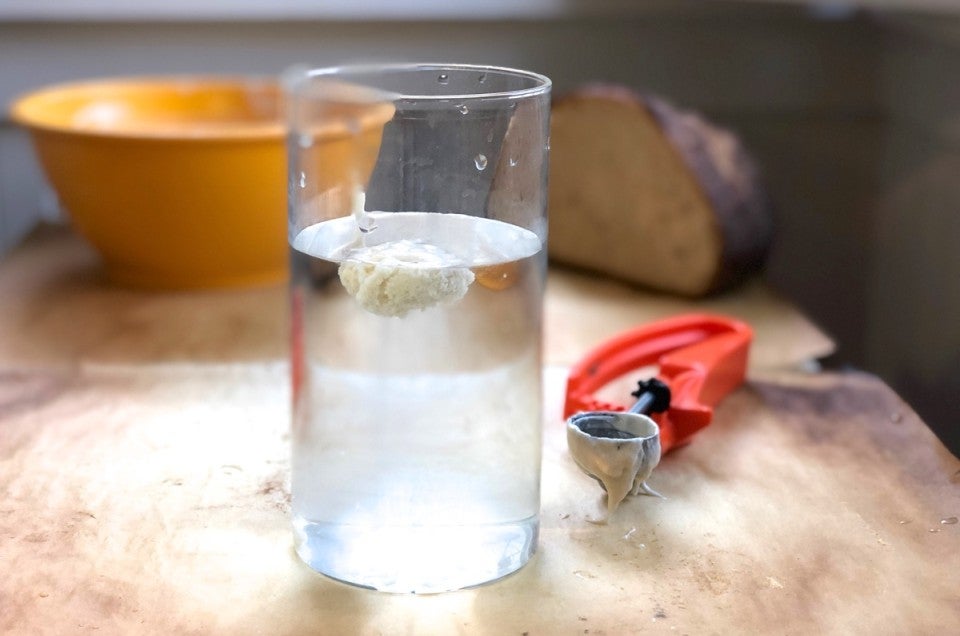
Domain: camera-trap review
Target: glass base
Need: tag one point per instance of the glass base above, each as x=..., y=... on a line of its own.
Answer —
x=419, y=560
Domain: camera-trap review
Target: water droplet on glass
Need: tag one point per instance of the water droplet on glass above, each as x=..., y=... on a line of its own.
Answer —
x=305, y=140
x=513, y=162
x=443, y=78
x=904, y=522
x=948, y=521
x=303, y=180
x=463, y=109
x=482, y=78
x=934, y=529
x=365, y=223
x=480, y=161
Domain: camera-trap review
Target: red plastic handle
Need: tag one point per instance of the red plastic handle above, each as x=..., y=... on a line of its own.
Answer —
x=702, y=357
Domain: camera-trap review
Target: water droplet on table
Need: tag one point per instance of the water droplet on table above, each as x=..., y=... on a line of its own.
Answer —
x=482, y=78
x=463, y=109
x=443, y=78
x=480, y=161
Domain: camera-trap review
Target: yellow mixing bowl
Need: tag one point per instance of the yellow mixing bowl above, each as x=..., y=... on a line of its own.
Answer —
x=181, y=182
x=177, y=182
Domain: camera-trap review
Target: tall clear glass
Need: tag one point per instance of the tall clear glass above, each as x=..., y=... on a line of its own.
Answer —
x=418, y=230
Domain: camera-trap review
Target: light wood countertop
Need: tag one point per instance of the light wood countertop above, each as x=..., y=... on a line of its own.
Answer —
x=143, y=482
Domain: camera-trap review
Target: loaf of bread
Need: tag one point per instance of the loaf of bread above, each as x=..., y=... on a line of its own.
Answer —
x=651, y=195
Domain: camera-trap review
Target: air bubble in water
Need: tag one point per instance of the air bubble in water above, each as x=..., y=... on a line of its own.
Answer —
x=443, y=78
x=480, y=161
x=463, y=109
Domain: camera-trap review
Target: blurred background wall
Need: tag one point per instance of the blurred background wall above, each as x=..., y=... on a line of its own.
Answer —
x=853, y=110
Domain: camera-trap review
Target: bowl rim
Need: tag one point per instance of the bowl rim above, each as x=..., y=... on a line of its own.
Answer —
x=21, y=109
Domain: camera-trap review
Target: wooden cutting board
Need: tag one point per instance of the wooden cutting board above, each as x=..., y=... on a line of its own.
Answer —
x=144, y=463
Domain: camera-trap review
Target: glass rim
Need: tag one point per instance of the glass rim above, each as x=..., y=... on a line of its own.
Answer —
x=542, y=83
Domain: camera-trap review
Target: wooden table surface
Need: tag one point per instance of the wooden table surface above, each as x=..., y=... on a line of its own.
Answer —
x=143, y=482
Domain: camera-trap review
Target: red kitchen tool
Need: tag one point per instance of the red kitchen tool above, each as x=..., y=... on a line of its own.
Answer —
x=701, y=358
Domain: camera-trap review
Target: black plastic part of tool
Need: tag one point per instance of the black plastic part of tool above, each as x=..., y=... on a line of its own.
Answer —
x=653, y=396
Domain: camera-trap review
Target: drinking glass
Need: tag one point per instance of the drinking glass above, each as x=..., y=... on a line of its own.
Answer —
x=417, y=227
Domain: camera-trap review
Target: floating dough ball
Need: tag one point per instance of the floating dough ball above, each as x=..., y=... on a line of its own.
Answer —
x=395, y=278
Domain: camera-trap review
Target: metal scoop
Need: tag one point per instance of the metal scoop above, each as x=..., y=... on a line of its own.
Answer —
x=620, y=449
